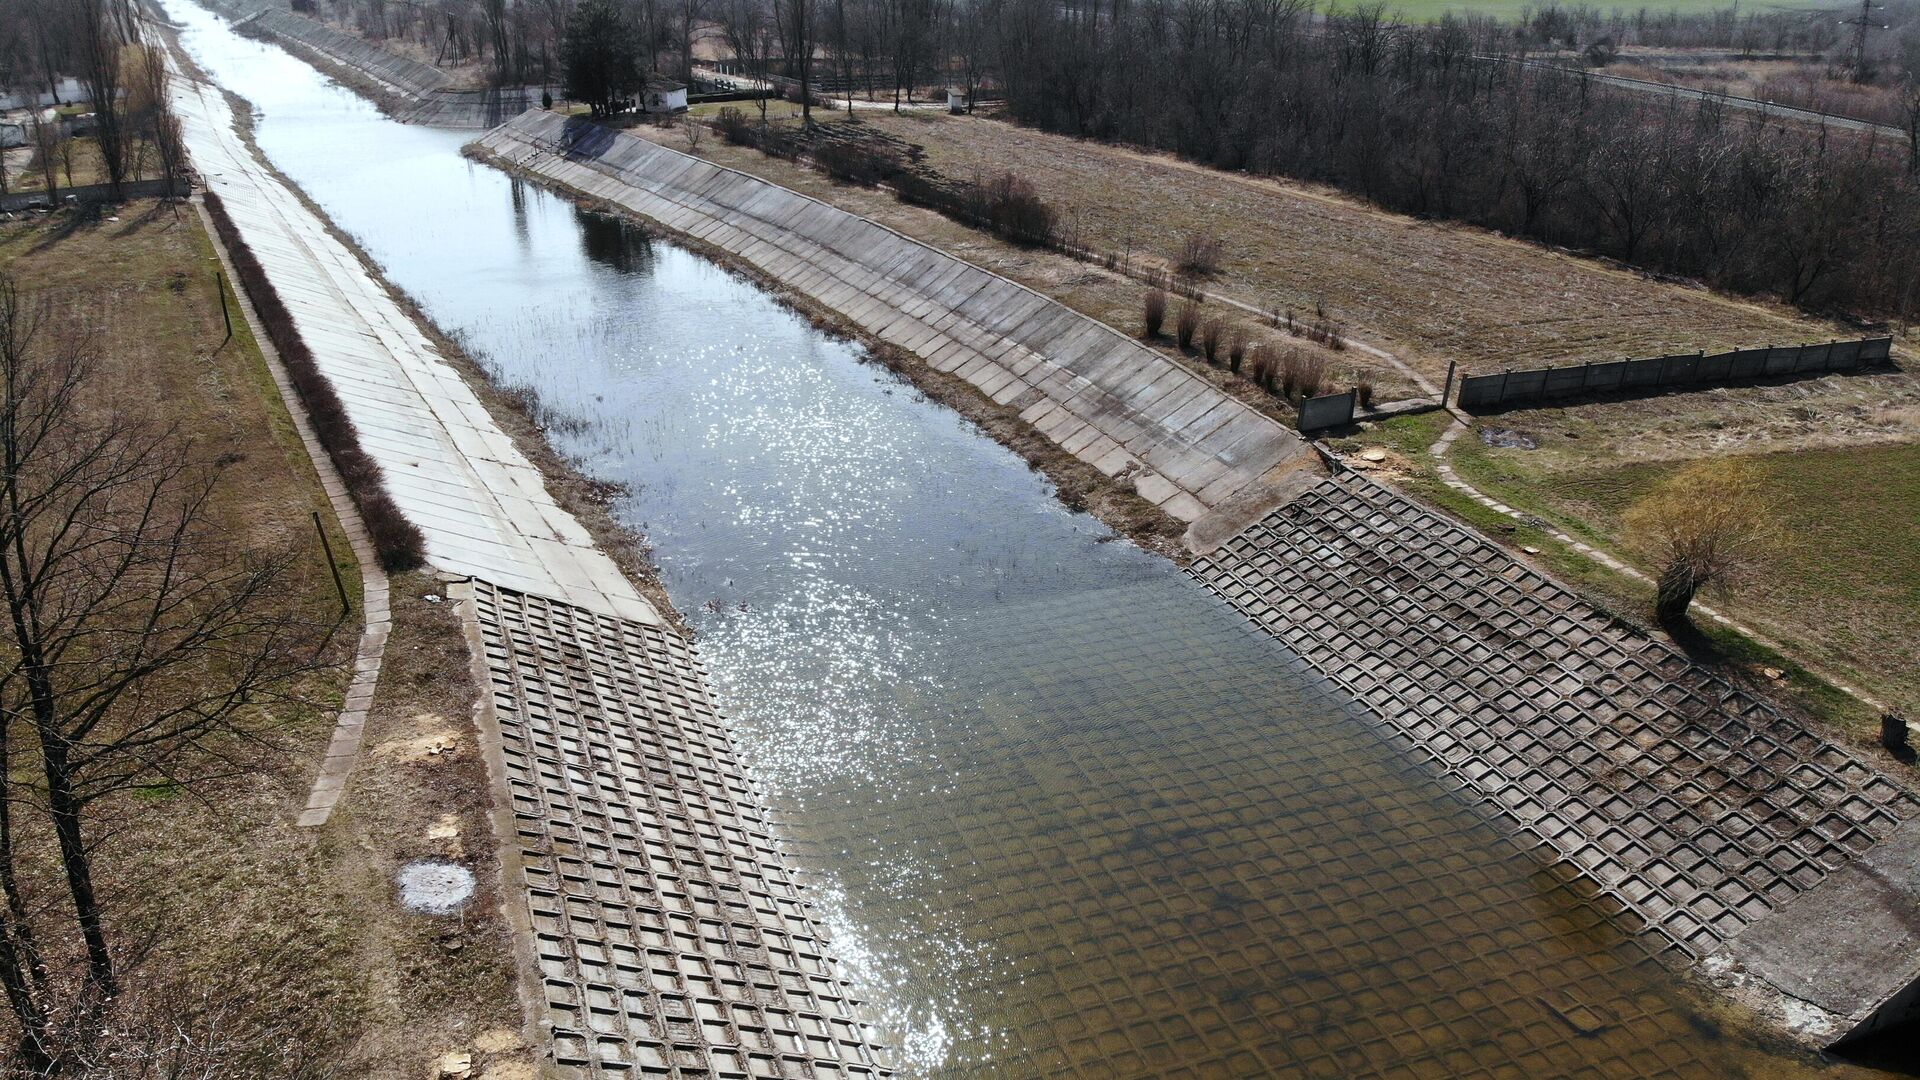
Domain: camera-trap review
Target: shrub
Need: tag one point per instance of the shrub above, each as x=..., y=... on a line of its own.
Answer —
x=1017, y=212
x=1199, y=255
x=1325, y=331
x=1153, y=313
x=1212, y=332
x=734, y=126
x=1005, y=205
x=398, y=542
x=867, y=166
x=1236, y=350
x=1289, y=371
x=1363, y=393
x=1312, y=376
x=1186, y=324
x=1260, y=368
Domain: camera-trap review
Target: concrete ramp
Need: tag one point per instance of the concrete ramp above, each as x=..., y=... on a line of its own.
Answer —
x=1129, y=411
x=1850, y=945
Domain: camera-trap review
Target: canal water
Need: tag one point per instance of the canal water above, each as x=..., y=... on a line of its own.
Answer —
x=1064, y=813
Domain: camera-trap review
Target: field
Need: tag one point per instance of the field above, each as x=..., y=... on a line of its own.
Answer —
x=284, y=944
x=1841, y=582
x=1431, y=292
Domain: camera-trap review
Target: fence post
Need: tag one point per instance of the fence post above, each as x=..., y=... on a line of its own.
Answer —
x=220, y=286
x=327, y=546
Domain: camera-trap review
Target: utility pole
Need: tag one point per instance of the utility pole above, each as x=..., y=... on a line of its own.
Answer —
x=1861, y=24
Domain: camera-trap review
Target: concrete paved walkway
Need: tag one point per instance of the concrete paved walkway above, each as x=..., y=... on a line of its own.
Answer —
x=482, y=505
x=343, y=749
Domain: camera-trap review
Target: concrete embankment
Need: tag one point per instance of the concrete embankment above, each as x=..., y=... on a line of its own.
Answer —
x=410, y=90
x=483, y=507
x=1732, y=836
x=659, y=929
x=664, y=934
x=1130, y=412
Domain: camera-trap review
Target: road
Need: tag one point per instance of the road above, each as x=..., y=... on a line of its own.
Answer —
x=1767, y=108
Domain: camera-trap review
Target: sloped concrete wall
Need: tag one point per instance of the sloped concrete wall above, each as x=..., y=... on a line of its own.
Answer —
x=408, y=89
x=1129, y=411
x=1701, y=816
x=404, y=75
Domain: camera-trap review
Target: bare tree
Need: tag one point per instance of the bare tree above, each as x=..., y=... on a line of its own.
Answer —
x=793, y=25
x=99, y=26
x=138, y=646
x=48, y=146
x=1707, y=525
x=745, y=24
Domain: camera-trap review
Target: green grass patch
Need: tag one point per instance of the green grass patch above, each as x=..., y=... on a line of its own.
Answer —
x=1841, y=584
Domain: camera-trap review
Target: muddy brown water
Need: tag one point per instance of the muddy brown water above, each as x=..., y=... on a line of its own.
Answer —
x=1064, y=813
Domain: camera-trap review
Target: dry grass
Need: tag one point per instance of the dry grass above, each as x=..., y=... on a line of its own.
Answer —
x=1841, y=585
x=293, y=933
x=1088, y=288
x=1430, y=292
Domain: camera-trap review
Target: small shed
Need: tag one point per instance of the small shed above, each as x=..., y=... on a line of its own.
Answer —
x=664, y=97
x=956, y=101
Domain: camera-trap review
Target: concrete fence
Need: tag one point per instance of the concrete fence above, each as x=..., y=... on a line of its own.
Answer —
x=1326, y=411
x=96, y=193
x=1658, y=373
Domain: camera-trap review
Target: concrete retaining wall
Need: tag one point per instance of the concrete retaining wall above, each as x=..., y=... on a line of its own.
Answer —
x=1699, y=814
x=1129, y=411
x=1658, y=373
x=1326, y=411
x=97, y=193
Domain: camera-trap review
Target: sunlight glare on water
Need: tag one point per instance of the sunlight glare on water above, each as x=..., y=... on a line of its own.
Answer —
x=1063, y=812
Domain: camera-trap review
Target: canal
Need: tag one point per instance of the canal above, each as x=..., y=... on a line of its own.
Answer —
x=1064, y=813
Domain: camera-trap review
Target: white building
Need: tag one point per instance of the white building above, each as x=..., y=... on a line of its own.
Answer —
x=67, y=88
x=663, y=97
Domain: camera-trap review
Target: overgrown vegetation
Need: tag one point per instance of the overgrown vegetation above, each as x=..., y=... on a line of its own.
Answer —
x=398, y=541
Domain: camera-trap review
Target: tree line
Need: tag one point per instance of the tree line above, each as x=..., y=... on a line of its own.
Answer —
x=133, y=131
x=1414, y=119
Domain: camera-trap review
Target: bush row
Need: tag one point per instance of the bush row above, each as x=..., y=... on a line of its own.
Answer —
x=1004, y=204
x=398, y=542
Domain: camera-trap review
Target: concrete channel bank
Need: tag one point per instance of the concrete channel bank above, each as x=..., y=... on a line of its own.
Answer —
x=1130, y=412
x=1736, y=842
x=1784, y=866
x=410, y=90
x=660, y=931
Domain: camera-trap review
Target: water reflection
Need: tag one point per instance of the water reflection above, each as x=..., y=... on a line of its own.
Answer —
x=613, y=242
x=1065, y=813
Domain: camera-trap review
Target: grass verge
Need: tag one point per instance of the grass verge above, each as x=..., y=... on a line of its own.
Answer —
x=398, y=541
x=280, y=947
